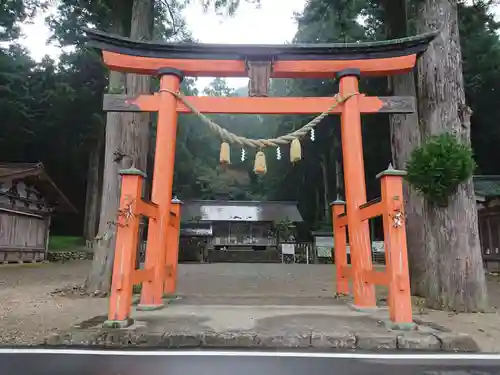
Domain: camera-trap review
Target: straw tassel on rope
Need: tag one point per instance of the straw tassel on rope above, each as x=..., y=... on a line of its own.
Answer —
x=260, y=159
x=295, y=151
x=225, y=153
x=260, y=166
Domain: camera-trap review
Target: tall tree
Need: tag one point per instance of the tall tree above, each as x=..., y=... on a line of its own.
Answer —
x=454, y=276
x=479, y=35
x=127, y=141
x=405, y=136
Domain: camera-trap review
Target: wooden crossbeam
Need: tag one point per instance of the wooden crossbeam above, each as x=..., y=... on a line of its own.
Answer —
x=148, y=209
x=371, y=209
x=372, y=276
x=341, y=220
x=142, y=275
x=269, y=106
x=281, y=68
x=368, y=211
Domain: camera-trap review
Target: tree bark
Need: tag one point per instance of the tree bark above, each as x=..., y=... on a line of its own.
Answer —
x=92, y=196
x=126, y=145
x=453, y=268
x=326, y=205
x=339, y=177
x=405, y=137
x=99, y=280
x=135, y=138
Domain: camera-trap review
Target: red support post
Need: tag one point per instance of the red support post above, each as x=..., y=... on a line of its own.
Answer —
x=340, y=247
x=152, y=291
x=355, y=190
x=400, y=307
x=127, y=236
x=172, y=256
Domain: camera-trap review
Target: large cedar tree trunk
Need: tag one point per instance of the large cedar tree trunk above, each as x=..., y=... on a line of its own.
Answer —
x=326, y=204
x=126, y=145
x=92, y=194
x=339, y=176
x=99, y=280
x=405, y=136
x=135, y=136
x=454, y=272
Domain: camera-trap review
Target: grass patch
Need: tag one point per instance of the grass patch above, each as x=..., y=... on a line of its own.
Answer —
x=62, y=243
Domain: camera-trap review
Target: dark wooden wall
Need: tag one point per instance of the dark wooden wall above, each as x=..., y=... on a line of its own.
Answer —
x=489, y=232
x=23, y=237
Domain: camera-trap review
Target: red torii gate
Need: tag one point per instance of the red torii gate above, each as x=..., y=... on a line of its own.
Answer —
x=346, y=62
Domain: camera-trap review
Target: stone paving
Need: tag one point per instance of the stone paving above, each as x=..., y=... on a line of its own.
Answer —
x=262, y=306
x=292, y=298
x=237, y=325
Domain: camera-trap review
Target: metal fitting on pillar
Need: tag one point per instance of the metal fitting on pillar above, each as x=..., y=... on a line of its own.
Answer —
x=170, y=71
x=349, y=72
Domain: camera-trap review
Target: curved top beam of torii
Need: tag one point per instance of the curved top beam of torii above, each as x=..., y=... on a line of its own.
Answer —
x=288, y=61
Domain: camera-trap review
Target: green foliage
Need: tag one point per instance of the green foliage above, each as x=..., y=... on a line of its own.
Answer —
x=284, y=229
x=481, y=68
x=64, y=243
x=327, y=21
x=14, y=12
x=436, y=168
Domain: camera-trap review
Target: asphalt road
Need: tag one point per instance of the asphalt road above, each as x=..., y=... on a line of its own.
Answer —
x=88, y=362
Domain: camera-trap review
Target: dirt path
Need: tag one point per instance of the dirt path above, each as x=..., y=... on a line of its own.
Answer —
x=29, y=311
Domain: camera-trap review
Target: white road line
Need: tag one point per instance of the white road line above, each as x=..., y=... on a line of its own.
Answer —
x=208, y=353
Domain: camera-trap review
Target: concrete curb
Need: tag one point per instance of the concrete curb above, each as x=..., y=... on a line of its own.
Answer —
x=140, y=337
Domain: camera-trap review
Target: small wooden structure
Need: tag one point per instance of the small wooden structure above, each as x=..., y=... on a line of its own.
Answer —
x=487, y=191
x=237, y=231
x=345, y=61
x=28, y=197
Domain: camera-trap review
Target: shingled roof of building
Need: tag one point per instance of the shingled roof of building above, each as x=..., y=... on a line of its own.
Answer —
x=487, y=186
x=35, y=174
x=218, y=210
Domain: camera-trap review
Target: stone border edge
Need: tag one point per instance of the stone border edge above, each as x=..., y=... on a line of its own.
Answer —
x=126, y=338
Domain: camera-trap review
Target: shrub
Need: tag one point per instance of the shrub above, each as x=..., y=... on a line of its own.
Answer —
x=436, y=168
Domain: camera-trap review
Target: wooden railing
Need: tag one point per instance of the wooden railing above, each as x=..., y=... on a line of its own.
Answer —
x=125, y=275
x=395, y=276
x=238, y=241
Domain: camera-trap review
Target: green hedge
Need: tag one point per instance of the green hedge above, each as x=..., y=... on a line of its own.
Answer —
x=436, y=168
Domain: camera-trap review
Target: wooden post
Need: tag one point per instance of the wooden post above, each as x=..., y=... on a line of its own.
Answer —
x=152, y=291
x=48, y=221
x=340, y=250
x=400, y=308
x=127, y=235
x=355, y=189
x=172, y=256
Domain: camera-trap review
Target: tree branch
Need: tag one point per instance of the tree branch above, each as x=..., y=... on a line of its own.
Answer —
x=169, y=9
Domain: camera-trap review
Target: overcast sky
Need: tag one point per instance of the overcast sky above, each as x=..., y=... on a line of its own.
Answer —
x=272, y=23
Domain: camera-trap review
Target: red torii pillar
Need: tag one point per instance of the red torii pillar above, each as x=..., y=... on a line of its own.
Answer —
x=158, y=231
x=355, y=189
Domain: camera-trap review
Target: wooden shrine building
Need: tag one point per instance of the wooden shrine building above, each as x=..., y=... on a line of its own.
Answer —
x=487, y=191
x=28, y=198
x=235, y=231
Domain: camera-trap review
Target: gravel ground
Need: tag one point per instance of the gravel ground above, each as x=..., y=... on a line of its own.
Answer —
x=29, y=312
